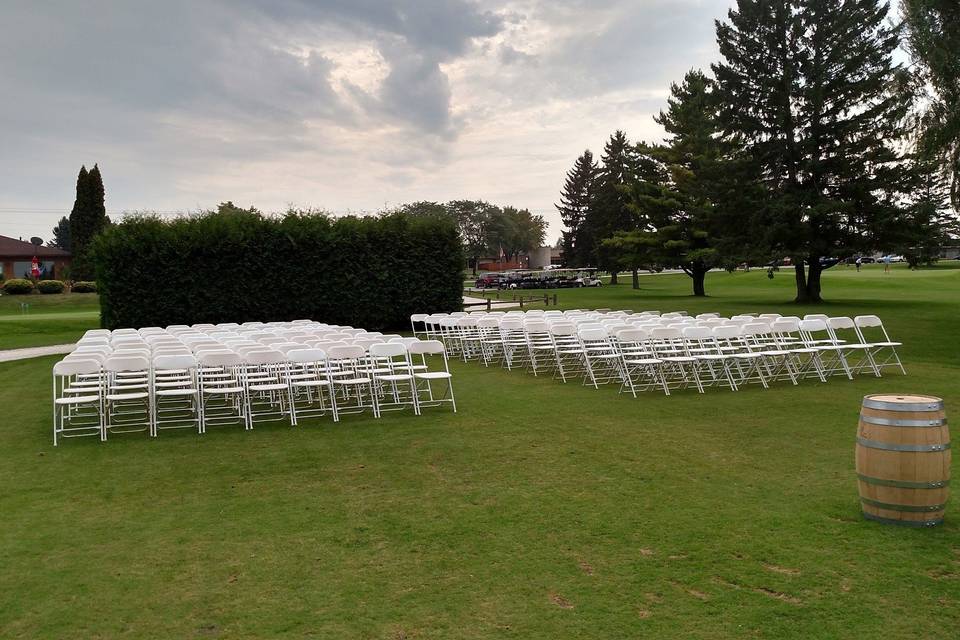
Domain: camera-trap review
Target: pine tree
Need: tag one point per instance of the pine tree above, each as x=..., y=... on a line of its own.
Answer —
x=808, y=86
x=574, y=206
x=87, y=219
x=61, y=235
x=933, y=40
x=694, y=156
x=610, y=207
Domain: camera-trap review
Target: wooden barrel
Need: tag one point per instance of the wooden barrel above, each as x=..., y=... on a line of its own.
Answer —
x=903, y=459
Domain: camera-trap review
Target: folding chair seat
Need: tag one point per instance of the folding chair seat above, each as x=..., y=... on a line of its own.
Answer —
x=77, y=413
x=805, y=361
x=680, y=368
x=176, y=396
x=641, y=369
x=311, y=386
x=816, y=335
x=567, y=350
x=600, y=357
x=745, y=364
x=127, y=399
x=541, y=351
x=267, y=386
x=513, y=342
x=222, y=391
x=715, y=363
x=417, y=324
x=394, y=378
x=884, y=350
x=469, y=330
x=352, y=383
x=857, y=354
x=490, y=340
x=432, y=351
x=776, y=359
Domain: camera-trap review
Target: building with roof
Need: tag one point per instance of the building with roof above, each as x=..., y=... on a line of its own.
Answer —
x=16, y=260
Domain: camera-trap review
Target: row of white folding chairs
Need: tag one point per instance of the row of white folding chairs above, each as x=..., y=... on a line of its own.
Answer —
x=788, y=348
x=96, y=394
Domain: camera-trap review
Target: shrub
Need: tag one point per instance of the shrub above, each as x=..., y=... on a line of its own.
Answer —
x=239, y=266
x=18, y=286
x=50, y=286
x=84, y=287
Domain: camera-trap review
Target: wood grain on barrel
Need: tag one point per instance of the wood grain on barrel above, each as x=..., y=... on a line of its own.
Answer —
x=914, y=428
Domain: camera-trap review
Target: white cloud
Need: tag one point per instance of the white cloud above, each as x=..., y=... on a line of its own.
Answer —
x=345, y=104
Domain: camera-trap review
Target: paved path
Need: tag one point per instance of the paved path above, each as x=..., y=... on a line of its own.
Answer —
x=35, y=352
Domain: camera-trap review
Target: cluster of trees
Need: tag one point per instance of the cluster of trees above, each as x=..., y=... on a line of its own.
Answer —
x=486, y=229
x=806, y=141
x=87, y=218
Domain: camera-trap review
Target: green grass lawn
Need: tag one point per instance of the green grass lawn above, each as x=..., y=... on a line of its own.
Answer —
x=50, y=319
x=540, y=510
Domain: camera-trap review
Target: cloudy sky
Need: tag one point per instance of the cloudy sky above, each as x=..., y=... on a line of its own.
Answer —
x=348, y=105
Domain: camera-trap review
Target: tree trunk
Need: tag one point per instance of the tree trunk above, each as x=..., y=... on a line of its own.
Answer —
x=698, y=272
x=801, y=276
x=808, y=284
x=813, y=280
x=613, y=276
x=636, y=279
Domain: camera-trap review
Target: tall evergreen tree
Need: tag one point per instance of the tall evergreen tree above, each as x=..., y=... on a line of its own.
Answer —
x=61, y=235
x=694, y=155
x=87, y=219
x=933, y=40
x=808, y=86
x=610, y=208
x=574, y=207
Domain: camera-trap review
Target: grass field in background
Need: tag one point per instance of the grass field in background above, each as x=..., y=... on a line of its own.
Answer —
x=50, y=319
x=540, y=510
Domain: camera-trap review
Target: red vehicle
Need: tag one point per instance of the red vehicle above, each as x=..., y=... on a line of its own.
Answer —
x=488, y=281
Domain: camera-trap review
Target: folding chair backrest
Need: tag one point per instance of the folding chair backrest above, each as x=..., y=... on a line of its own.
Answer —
x=264, y=356
x=117, y=364
x=388, y=350
x=219, y=359
x=304, y=356
x=426, y=347
x=74, y=367
x=346, y=352
x=169, y=362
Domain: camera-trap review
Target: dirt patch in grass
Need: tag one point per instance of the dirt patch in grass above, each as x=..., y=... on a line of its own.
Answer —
x=586, y=567
x=778, y=595
x=560, y=601
x=782, y=570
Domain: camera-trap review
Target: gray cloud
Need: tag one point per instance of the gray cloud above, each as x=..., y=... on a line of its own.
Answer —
x=339, y=103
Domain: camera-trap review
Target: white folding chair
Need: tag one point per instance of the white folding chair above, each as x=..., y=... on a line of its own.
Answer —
x=393, y=377
x=883, y=349
x=127, y=406
x=311, y=385
x=176, y=396
x=352, y=382
x=641, y=370
x=432, y=350
x=222, y=391
x=77, y=399
x=267, y=386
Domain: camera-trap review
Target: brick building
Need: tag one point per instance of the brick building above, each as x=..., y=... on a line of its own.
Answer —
x=16, y=258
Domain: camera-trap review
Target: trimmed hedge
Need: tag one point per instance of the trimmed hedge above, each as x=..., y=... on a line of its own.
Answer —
x=84, y=287
x=240, y=266
x=18, y=286
x=50, y=286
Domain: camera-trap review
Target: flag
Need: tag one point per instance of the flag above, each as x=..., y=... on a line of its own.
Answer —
x=35, y=267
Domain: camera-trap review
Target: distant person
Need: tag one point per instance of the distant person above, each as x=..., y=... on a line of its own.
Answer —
x=859, y=262
x=886, y=264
